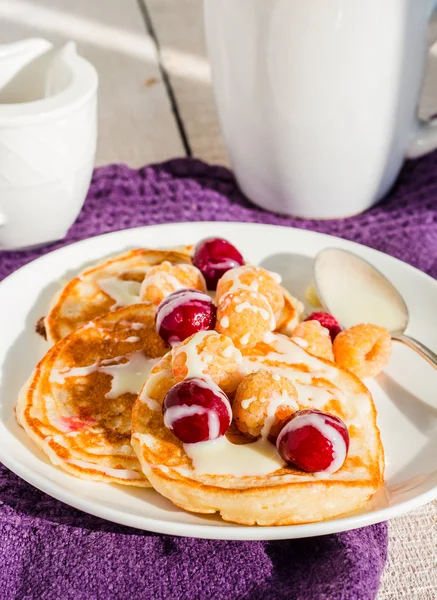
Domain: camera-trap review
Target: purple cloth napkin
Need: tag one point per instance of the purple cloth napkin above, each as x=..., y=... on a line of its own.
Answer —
x=49, y=550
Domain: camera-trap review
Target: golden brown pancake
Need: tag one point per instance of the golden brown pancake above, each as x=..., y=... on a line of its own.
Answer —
x=111, y=284
x=285, y=495
x=291, y=314
x=77, y=404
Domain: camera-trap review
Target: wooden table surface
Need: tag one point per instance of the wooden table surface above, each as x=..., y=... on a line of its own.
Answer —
x=156, y=102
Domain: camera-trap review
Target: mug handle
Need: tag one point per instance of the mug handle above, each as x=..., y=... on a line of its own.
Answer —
x=425, y=139
x=3, y=219
x=425, y=136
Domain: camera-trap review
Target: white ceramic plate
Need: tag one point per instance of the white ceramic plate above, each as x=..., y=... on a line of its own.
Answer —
x=405, y=394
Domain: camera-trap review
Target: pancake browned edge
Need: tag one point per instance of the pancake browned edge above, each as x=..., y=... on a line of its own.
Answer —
x=286, y=496
x=291, y=314
x=82, y=300
x=77, y=404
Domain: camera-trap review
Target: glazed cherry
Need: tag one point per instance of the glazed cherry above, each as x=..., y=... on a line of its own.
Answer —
x=314, y=441
x=183, y=313
x=196, y=410
x=213, y=257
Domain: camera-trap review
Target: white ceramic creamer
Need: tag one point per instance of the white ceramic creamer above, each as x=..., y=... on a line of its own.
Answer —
x=48, y=132
x=318, y=98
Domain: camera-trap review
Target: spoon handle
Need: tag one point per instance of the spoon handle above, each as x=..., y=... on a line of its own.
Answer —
x=418, y=347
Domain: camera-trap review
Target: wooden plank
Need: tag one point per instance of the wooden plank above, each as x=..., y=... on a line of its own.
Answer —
x=136, y=124
x=179, y=29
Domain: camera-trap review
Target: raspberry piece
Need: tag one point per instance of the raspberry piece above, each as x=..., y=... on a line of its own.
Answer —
x=245, y=317
x=328, y=321
x=363, y=349
x=254, y=279
x=164, y=279
x=263, y=403
x=314, y=338
x=207, y=354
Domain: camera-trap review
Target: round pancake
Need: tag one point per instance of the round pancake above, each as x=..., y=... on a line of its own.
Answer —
x=285, y=495
x=77, y=404
x=104, y=287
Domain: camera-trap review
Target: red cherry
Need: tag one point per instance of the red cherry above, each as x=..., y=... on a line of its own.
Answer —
x=196, y=411
x=328, y=321
x=183, y=313
x=213, y=257
x=314, y=441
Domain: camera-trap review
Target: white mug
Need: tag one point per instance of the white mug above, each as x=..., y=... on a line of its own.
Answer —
x=318, y=99
x=48, y=132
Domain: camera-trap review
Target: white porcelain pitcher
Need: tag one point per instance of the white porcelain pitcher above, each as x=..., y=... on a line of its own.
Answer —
x=318, y=98
x=48, y=132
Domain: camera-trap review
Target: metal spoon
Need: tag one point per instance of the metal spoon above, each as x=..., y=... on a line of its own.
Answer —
x=355, y=292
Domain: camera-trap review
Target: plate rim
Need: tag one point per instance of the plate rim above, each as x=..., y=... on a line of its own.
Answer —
x=199, y=224
x=224, y=531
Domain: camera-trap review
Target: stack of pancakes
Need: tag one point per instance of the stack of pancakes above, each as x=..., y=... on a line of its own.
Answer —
x=107, y=359
x=78, y=402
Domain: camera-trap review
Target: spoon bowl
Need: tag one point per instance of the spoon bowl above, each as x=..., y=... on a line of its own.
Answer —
x=355, y=292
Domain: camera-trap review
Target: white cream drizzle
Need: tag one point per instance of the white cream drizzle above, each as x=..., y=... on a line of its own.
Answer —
x=193, y=359
x=150, y=385
x=131, y=325
x=300, y=342
x=275, y=401
x=266, y=315
x=313, y=396
x=176, y=413
x=229, y=351
x=284, y=350
x=210, y=385
x=221, y=457
x=247, y=402
x=123, y=292
x=159, y=279
x=269, y=337
x=234, y=276
x=197, y=362
x=244, y=340
x=213, y=425
x=256, y=309
x=224, y=322
x=147, y=439
x=127, y=377
x=108, y=334
x=109, y=471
